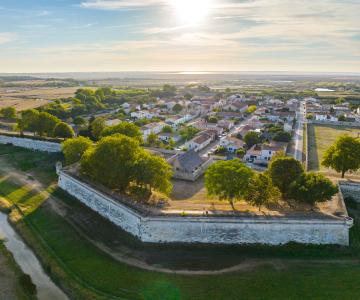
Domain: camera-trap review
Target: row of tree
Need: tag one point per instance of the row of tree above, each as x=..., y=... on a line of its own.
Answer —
x=233, y=181
x=118, y=162
x=43, y=124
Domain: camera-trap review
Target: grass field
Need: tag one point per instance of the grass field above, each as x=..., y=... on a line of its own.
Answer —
x=320, y=138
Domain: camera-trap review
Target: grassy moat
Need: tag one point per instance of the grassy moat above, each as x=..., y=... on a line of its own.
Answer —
x=92, y=259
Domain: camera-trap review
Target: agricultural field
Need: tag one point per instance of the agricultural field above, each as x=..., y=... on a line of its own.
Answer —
x=26, y=98
x=320, y=138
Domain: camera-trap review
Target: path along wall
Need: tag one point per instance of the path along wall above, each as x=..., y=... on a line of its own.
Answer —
x=212, y=230
x=30, y=143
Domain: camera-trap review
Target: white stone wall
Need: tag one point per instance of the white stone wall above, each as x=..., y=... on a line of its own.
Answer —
x=212, y=230
x=30, y=143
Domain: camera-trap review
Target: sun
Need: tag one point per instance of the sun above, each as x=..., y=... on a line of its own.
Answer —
x=191, y=12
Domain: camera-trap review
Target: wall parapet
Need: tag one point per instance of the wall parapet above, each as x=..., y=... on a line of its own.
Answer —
x=29, y=143
x=208, y=229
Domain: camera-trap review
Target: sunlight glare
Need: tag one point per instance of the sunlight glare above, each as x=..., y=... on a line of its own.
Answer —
x=191, y=12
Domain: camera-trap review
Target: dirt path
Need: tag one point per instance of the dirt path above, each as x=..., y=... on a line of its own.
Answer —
x=123, y=256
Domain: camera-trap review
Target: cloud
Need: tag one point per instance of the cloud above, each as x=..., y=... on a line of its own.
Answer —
x=7, y=37
x=120, y=4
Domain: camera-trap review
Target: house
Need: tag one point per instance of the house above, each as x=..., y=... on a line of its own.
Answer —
x=323, y=116
x=262, y=154
x=230, y=115
x=232, y=143
x=243, y=130
x=142, y=114
x=152, y=128
x=189, y=165
x=236, y=106
x=178, y=120
x=226, y=124
x=199, y=142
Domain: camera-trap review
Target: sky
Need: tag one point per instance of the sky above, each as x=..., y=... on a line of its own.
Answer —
x=179, y=35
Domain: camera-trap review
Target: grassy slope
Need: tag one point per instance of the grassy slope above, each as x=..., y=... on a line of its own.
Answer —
x=71, y=259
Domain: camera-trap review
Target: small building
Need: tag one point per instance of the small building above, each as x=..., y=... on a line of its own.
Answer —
x=152, y=128
x=189, y=165
x=262, y=154
x=199, y=142
x=232, y=144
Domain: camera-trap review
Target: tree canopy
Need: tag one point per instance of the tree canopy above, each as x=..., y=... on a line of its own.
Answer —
x=228, y=180
x=261, y=191
x=63, y=130
x=283, y=170
x=125, y=128
x=343, y=155
x=117, y=161
x=74, y=148
x=8, y=112
x=252, y=138
x=96, y=127
x=177, y=108
x=312, y=188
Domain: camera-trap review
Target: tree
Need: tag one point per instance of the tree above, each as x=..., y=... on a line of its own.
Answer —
x=96, y=127
x=240, y=152
x=282, y=136
x=177, y=108
x=28, y=120
x=343, y=155
x=188, y=96
x=63, y=130
x=261, y=191
x=311, y=188
x=341, y=118
x=283, y=171
x=45, y=124
x=251, y=138
x=79, y=120
x=169, y=90
x=309, y=116
x=213, y=119
x=74, y=148
x=152, y=139
x=251, y=109
x=154, y=172
x=228, y=180
x=167, y=129
x=112, y=161
x=8, y=112
x=189, y=132
x=125, y=128
x=340, y=100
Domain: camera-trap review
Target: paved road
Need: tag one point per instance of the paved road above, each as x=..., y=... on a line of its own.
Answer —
x=299, y=134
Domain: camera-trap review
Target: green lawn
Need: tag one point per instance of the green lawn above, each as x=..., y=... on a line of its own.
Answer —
x=320, y=138
x=70, y=258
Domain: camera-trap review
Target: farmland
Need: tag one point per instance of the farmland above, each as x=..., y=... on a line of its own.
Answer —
x=26, y=98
